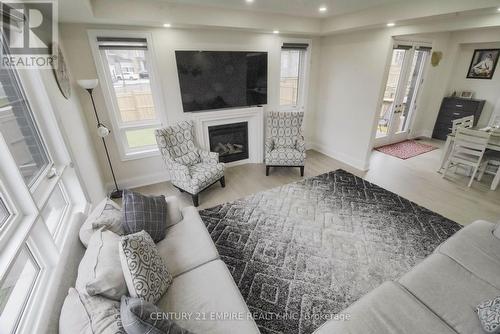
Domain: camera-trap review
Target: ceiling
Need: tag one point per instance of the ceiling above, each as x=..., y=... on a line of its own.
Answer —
x=304, y=8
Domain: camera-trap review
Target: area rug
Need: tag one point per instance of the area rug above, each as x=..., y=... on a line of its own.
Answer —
x=303, y=252
x=406, y=149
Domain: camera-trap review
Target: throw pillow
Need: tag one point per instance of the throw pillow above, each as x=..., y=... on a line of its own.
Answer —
x=489, y=315
x=99, y=272
x=83, y=314
x=140, y=317
x=145, y=271
x=107, y=214
x=145, y=213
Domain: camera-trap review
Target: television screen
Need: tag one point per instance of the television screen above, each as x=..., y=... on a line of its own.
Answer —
x=221, y=79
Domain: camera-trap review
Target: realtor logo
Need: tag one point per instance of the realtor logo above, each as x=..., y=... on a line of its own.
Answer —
x=29, y=34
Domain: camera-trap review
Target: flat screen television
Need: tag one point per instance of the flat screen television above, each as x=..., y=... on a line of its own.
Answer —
x=221, y=79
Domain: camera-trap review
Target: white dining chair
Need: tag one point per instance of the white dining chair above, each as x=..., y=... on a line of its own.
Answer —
x=464, y=122
x=491, y=162
x=468, y=150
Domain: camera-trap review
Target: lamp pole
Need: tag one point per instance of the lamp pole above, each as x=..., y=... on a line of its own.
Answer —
x=117, y=193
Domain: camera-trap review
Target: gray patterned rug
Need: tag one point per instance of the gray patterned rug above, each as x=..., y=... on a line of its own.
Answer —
x=305, y=251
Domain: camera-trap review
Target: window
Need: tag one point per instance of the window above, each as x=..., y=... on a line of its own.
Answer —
x=19, y=130
x=16, y=288
x=292, y=74
x=131, y=93
x=39, y=196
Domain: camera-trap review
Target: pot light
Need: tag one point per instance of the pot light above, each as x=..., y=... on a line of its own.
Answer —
x=167, y=25
x=276, y=31
x=323, y=9
x=391, y=24
x=249, y=1
x=498, y=9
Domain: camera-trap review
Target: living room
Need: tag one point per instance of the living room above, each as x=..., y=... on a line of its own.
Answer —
x=250, y=166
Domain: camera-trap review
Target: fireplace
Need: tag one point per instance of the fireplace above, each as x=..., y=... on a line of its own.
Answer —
x=230, y=141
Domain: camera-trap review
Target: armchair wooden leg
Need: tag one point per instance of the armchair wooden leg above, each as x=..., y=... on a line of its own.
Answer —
x=267, y=170
x=222, y=182
x=301, y=170
x=195, y=200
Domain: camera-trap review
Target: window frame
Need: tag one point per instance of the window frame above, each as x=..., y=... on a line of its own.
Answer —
x=106, y=86
x=304, y=74
x=25, y=227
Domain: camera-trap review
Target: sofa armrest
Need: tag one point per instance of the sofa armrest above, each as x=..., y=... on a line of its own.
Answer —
x=208, y=157
x=174, y=214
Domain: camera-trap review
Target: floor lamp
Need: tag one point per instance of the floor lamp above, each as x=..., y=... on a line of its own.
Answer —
x=102, y=130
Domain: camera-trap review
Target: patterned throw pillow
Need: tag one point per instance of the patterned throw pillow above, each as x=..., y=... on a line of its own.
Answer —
x=145, y=271
x=489, y=315
x=139, y=317
x=145, y=213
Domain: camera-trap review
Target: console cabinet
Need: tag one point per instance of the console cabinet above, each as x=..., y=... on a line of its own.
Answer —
x=453, y=108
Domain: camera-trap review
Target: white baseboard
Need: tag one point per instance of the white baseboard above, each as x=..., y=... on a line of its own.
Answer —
x=422, y=134
x=140, y=181
x=342, y=157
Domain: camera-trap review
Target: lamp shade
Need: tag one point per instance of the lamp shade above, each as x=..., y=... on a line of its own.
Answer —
x=88, y=83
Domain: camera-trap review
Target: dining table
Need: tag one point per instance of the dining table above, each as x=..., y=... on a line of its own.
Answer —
x=493, y=144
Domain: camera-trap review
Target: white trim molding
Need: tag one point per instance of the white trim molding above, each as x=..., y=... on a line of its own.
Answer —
x=340, y=156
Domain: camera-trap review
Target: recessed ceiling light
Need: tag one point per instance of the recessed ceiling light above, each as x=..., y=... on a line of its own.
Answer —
x=323, y=9
x=276, y=31
x=167, y=25
x=498, y=9
x=391, y=24
x=249, y=1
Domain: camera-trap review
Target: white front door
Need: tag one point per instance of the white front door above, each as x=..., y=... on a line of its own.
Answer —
x=401, y=92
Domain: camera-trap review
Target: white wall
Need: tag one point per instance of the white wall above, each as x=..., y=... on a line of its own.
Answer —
x=166, y=41
x=75, y=131
x=451, y=75
x=352, y=72
x=483, y=89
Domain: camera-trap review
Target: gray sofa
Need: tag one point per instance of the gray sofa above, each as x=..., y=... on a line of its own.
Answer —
x=203, y=297
x=439, y=295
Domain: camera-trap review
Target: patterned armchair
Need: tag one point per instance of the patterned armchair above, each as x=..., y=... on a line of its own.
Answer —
x=285, y=145
x=192, y=169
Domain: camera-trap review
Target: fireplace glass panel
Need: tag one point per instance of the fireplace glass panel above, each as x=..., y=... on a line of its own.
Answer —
x=230, y=141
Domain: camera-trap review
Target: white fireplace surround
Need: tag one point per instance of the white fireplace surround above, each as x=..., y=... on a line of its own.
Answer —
x=253, y=115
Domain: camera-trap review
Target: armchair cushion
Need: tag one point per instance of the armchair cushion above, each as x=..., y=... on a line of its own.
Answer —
x=285, y=157
x=202, y=175
x=208, y=157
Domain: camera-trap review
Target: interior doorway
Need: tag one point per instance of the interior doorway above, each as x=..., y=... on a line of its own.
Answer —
x=404, y=83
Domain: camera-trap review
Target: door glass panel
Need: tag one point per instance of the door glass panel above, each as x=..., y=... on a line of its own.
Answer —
x=54, y=210
x=15, y=289
x=391, y=90
x=411, y=90
x=289, y=81
x=19, y=129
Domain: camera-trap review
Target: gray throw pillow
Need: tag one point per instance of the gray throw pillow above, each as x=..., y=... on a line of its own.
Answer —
x=108, y=215
x=145, y=213
x=145, y=272
x=140, y=317
x=489, y=315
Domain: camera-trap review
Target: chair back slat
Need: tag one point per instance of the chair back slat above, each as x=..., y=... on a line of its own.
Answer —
x=464, y=122
x=471, y=142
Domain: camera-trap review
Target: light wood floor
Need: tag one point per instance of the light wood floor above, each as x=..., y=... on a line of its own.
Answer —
x=415, y=179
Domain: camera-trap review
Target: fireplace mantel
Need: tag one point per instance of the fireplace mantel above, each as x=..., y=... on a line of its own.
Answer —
x=255, y=118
